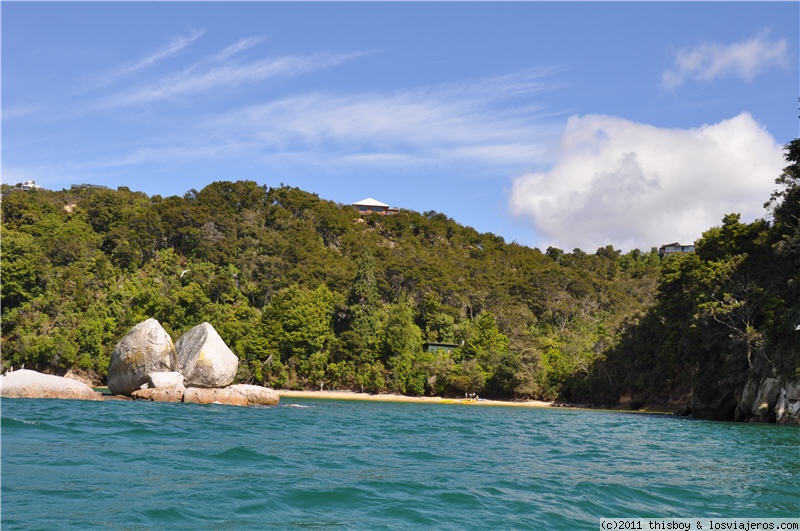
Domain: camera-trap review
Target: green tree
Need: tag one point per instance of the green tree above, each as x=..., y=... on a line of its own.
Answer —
x=366, y=313
x=402, y=345
x=297, y=324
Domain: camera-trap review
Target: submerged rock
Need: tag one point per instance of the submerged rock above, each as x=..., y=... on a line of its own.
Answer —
x=257, y=395
x=25, y=383
x=145, y=349
x=202, y=395
x=204, y=359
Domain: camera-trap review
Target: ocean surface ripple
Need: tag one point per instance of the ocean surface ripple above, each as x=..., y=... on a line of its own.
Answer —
x=331, y=464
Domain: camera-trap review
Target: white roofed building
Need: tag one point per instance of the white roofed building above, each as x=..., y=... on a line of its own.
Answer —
x=373, y=206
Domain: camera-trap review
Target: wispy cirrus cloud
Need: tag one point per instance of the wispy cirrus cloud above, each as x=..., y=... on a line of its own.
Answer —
x=171, y=49
x=711, y=61
x=21, y=110
x=478, y=124
x=201, y=77
x=237, y=47
x=471, y=121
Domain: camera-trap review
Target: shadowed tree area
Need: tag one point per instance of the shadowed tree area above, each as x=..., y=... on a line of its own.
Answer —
x=724, y=318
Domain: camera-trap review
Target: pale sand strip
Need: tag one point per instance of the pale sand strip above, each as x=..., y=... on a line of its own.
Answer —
x=351, y=395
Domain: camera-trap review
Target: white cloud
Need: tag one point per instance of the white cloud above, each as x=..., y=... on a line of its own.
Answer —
x=20, y=111
x=165, y=52
x=745, y=60
x=636, y=186
x=468, y=122
x=237, y=47
x=475, y=125
x=194, y=80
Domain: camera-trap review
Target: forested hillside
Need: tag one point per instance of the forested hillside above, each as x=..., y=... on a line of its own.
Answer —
x=306, y=291
x=309, y=293
x=723, y=337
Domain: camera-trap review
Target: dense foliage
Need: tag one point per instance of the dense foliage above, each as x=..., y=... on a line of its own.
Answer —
x=724, y=316
x=311, y=294
x=307, y=292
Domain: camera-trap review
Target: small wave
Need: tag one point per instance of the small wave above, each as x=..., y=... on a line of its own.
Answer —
x=163, y=516
x=301, y=406
x=239, y=453
x=11, y=422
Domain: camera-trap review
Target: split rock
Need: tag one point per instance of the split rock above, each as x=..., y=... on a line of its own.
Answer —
x=204, y=359
x=146, y=348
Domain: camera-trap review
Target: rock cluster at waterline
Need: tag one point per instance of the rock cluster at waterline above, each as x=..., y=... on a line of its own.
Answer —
x=146, y=365
x=198, y=368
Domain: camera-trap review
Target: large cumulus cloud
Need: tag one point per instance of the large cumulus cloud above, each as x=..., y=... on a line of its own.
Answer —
x=633, y=185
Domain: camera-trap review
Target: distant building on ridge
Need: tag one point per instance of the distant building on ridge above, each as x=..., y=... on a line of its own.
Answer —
x=28, y=185
x=373, y=206
x=674, y=248
x=88, y=186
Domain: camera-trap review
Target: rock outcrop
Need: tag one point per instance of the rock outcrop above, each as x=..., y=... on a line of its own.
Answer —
x=147, y=348
x=25, y=383
x=769, y=399
x=761, y=409
x=204, y=359
x=257, y=395
x=161, y=387
x=159, y=394
x=202, y=395
x=164, y=379
x=787, y=406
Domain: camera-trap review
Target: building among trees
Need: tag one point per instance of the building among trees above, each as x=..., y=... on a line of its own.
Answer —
x=673, y=248
x=373, y=206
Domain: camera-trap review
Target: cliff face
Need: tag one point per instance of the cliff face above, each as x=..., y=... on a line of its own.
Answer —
x=758, y=397
x=769, y=399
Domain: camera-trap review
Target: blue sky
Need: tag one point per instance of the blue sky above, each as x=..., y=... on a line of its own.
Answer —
x=565, y=124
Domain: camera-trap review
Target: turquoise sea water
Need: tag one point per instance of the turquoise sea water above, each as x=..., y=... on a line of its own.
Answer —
x=330, y=464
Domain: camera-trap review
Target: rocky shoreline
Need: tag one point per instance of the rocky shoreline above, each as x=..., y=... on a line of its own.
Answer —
x=147, y=365
x=200, y=368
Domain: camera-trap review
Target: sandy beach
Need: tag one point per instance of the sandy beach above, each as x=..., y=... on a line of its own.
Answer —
x=351, y=395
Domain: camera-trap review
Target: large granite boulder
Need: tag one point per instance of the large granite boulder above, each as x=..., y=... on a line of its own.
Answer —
x=204, y=359
x=25, y=383
x=257, y=395
x=145, y=349
x=203, y=395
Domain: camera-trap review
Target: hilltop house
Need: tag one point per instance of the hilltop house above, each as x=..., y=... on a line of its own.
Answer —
x=674, y=248
x=373, y=206
x=28, y=185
